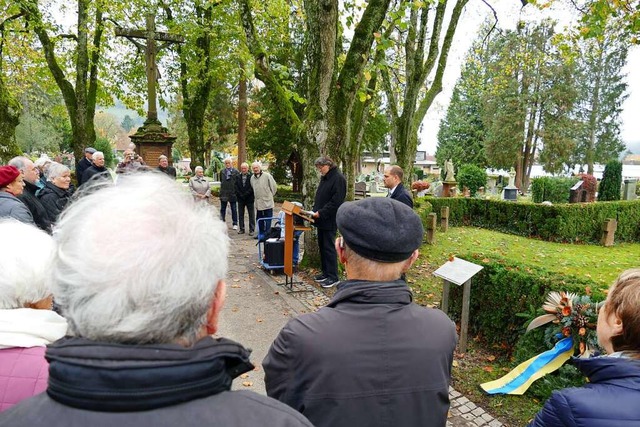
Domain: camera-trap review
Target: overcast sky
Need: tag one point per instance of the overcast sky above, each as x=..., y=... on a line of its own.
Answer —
x=508, y=14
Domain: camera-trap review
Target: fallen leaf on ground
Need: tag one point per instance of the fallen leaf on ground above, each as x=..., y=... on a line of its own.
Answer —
x=236, y=280
x=236, y=286
x=234, y=309
x=491, y=358
x=488, y=369
x=247, y=383
x=259, y=320
x=455, y=363
x=244, y=376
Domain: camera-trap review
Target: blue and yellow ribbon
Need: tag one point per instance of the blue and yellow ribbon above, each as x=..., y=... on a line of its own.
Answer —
x=522, y=376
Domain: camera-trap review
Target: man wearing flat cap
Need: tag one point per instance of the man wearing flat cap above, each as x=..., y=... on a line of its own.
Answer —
x=371, y=356
x=84, y=164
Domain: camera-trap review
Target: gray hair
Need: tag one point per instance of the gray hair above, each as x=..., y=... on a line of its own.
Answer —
x=55, y=170
x=162, y=156
x=24, y=257
x=138, y=262
x=256, y=164
x=97, y=154
x=324, y=161
x=19, y=163
x=42, y=161
x=198, y=168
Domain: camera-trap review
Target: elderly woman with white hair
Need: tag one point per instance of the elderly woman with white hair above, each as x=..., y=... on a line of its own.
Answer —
x=27, y=323
x=142, y=307
x=199, y=186
x=57, y=192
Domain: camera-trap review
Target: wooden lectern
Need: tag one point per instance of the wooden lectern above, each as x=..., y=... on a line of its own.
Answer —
x=289, y=228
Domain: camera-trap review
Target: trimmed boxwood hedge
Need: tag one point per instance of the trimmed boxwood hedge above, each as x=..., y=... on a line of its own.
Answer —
x=502, y=290
x=575, y=222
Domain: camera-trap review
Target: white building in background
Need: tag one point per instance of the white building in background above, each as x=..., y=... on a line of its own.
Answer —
x=370, y=164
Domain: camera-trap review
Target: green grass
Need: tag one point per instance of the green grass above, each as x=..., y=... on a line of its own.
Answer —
x=599, y=263
x=481, y=364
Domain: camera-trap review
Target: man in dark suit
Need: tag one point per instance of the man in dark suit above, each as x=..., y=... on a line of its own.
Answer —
x=244, y=194
x=393, y=181
x=84, y=164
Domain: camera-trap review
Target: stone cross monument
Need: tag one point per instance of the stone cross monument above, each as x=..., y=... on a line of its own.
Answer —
x=152, y=139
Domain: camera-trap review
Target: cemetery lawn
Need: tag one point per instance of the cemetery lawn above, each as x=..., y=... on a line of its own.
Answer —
x=480, y=364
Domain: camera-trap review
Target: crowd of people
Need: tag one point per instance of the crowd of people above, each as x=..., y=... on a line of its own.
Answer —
x=137, y=274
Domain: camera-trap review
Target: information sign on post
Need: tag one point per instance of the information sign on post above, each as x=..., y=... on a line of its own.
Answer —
x=459, y=272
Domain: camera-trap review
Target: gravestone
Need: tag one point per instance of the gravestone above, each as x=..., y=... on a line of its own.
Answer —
x=510, y=192
x=577, y=194
x=151, y=139
x=630, y=189
x=431, y=228
x=444, y=218
x=608, y=232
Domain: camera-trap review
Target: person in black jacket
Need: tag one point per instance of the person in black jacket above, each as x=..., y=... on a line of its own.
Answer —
x=371, y=357
x=31, y=176
x=140, y=350
x=56, y=193
x=244, y=193
x=329, y=196
x=393, y=181
x=163, y=166
x=97, y=171
x=84, y=164
x=228, y=191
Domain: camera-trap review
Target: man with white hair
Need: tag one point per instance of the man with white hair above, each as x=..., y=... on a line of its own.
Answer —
x=31, y=177
x=264, y=188
x=97, y=171
x=140, y=350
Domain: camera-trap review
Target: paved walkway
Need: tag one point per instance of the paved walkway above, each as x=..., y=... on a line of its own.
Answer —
x=257, y=307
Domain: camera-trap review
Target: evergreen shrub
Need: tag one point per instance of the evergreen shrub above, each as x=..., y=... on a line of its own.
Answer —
x=473, y=177
x=551, y=189
x=502, y=290
x=611, y=182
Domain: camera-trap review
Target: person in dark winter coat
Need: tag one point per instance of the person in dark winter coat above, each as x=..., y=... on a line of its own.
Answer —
x=329, y=196
x=97, y=171
x=56, y=194
x=393, y=181
x=371, y=357
x=163, y=166
x=11, y=187
x=140, y=350
x=611, y=396
x=244, y=193
x=84, y=164
x=31, y=176
x=228, y=191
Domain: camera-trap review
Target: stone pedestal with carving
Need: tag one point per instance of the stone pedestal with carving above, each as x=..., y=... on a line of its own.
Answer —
x=448, y=188
x=153, y=140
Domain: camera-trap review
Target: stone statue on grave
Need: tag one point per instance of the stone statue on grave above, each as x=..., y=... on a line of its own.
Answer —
x=512, y=178
x=448, y=171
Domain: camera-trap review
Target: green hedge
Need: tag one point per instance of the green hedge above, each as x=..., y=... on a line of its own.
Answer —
x=555, y=190
x=576, y=222
x=502, y=290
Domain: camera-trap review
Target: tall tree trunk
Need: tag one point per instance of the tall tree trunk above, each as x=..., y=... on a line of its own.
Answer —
x=242, y=116
x=196, y=98
x=80, y=101
x=595, y=106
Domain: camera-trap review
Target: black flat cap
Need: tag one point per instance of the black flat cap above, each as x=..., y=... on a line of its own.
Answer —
x=380, y=228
